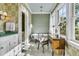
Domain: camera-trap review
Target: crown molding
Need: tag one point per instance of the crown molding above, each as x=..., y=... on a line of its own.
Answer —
x=40, y=12
x=29, y=8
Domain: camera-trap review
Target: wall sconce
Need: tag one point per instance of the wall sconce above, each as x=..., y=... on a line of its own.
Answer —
x=4, y=16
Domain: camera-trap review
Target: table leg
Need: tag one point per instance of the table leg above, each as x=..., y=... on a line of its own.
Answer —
x=43, y=48
x=38, y=45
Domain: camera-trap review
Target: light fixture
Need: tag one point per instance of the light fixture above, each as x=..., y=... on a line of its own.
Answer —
x=6, y=16
x=41, y=6
x=3, y=15
x=41, y=9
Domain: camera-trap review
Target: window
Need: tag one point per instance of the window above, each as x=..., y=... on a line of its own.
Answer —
x=53, y=24
x=77, y=21
x=62, y=19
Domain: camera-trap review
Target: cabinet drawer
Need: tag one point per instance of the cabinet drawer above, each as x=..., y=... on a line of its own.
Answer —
x=55, y=44
x=58, y=43
x=4, y=47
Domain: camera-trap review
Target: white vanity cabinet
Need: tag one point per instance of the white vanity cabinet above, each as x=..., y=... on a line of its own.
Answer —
x=4, y=45
x=9, y=45
x=15, y=51
x=13, y=41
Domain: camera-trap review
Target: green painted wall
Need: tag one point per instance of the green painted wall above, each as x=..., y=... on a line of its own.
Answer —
x=40, y=23
x=12, y=10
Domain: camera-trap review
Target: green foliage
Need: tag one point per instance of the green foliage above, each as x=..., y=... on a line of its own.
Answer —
x=76, y=7
x=63, y=26
x=76, y=21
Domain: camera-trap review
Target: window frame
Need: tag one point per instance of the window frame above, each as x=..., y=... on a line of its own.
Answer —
x=61, y=35
x=52, y=22
x=75, y=17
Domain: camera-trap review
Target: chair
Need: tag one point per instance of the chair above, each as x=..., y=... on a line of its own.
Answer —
x=34, y=38
x=45, y=43
x=39, y=40
x=44, y=40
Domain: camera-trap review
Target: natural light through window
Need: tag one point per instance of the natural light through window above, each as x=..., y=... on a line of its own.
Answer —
x=62, y=18
x=77, y=21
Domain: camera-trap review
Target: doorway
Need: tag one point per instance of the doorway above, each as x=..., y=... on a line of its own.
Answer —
x=23, y=27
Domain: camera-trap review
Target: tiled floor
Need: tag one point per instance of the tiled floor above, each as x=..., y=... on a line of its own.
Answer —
x=33, y=51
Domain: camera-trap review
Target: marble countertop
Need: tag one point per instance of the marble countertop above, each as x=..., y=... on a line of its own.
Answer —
x=7, y=33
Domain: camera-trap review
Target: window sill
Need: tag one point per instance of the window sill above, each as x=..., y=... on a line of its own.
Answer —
x=63, y=36
x=73, y=43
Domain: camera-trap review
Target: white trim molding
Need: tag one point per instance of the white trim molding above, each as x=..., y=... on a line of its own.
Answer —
x=73, y=44
x=28, y=8
x=40, y=12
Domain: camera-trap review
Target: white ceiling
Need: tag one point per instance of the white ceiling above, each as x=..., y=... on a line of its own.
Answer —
x=46, y=7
